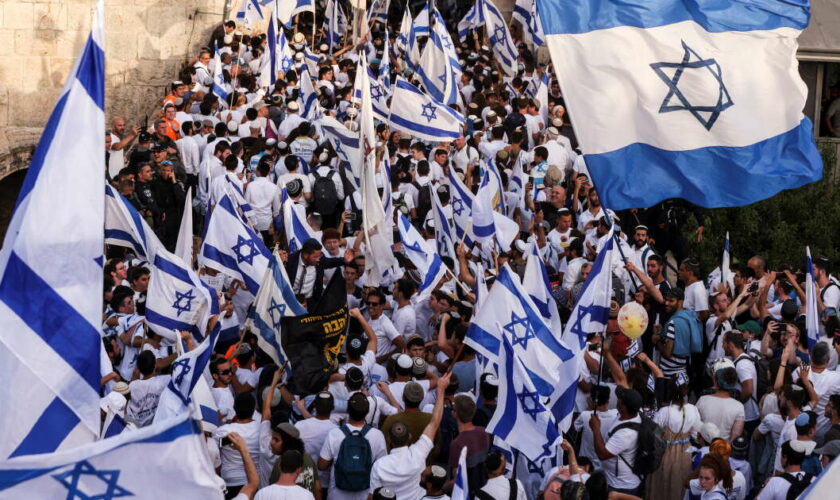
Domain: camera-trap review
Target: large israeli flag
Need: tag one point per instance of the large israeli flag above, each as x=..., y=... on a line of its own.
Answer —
x=461, y=199
x=694, y=100
x=233, y=248
x=220, y=86
x=131, y=464
x=428, y=263
x=525, y=11
x=250, y=13
x=51, y=275
x=422, y=116
x=286, y=10
x=812, y=319
x=309, y=107
x=535, y=281
x=437, y=67
x=275, y=301
x=444, y=235
x=124, y=227
x=522, y=418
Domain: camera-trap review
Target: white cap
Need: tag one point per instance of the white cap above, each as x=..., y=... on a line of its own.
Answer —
x=233, y=126
x=404, y=361
x=293, y=106
x=113, y=401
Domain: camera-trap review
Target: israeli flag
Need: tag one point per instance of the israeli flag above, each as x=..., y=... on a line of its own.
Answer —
x=233, y=248
x=461, y=488
x=461, y=200
x=711, y=93
x=184, y=244
x=130, y=464
x=311, y=59
x=220, y=86
x=344, y=142
x=421, y=22
x=335, y=24
x=591, y=311
x=269, y=64
x=205, y=406
x=721, y=274
x=114, y=425
x=428, y=263
x=124, y=227
x=485, y=13
x=378, y=12
x=384, y=76
x=812, y=318
x=473, y=19
x=444, y=235
x=310, y=109
x=275, y=301
x=521, y=417
x=445, y=40
x=437, y=67
x=421, y=116
x=51, y=277
x=250, y=14
x=297, y=228
x=378, y=97
x=177, y=300
x=286, y=10
x=401, y=47
x=483, y=224
x=387, y=200
x=509, y=313
x=536, y=283
x=542, y=97
x=525, y=11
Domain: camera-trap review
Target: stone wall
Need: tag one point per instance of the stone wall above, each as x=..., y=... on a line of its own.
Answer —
x=146, y=41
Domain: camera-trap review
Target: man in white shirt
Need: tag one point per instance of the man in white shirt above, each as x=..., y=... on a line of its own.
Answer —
x=498, y=486
x=291, y=121
x=120, y=142
x=400, y=470
x=599, y=399
x=188, y=151
x=220, y=371
x=145, y=391
x=696, y=295
x=233, y=468
x=404, y=316
x=388, y=339
x=210, y=169
x=291, y=464
x=264, y=198
x=313, y=430
x=618, y=452
x=357, y=408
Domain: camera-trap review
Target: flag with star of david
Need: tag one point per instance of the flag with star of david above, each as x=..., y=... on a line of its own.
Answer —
x=421, y=115
x=712, y=91
x=439, y=68
x=522, y=418
x=508, y=313
x=177, y=299
x=250, y=13
x=428, y=262
x=128, y=465
x=485, y=13
x=233, y=248
x=275, y=301
x=310, y=109
x=461, y=200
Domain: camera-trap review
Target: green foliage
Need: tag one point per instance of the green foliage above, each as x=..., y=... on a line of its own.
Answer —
x=778, y=228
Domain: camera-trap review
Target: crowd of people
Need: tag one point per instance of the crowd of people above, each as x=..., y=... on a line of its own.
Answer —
x=724, y=380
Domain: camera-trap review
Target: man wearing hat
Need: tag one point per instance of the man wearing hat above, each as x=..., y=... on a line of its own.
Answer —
x=675, y=335
x=291, y=121
x=401, y=469
x=412, y=396
x=618, y=452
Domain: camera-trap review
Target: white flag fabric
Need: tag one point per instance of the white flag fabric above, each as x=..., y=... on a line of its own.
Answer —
x=812, y=319
x=309, y=107
x=483, y=224
x=345, y=143
x=461, y=200
x=525, y=11
x=485, y=13
x=275, y=301
x=132, y=464
x=296, y=228
x=444, y=235
x=124, y=227
x=288, y=9
x=428, y=263
x=234, y=248
x=421, y=116
x=51, y=275
x=184, y=244
x=439, y=68
x=250, y=13
x=220, y=86
x=535, y=281
x=461, y=488
x=204, y=406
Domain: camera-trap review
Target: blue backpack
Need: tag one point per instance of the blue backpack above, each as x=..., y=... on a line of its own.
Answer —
x=354, y=460
x=688, y=339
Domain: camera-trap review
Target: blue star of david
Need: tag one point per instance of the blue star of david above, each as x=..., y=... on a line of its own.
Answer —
x=457, y=206
x=511, y=328
x=530, y=403
x=338, y=150
x=442, y=78
x=181, y=306
x=447, y=44
x=286, y=64
x=705, y=113
x=70, y=480
x=375, y=92
x=185, y=368
x=243, y=244
x=498, y=33
x=595, y=312
x=280, y=309
x=429, y=110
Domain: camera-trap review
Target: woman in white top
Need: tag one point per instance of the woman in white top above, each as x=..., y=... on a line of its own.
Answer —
x=714, y=478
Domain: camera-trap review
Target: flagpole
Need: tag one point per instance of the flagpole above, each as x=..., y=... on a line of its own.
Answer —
x=618, y=244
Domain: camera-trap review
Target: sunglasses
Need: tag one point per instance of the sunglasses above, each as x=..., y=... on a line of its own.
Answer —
x=225, y=372
x=373, y=304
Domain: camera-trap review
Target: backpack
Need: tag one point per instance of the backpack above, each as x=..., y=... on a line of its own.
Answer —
x=354, y=460
x=650, y=446
x=324, y=193
x=797, y=486
x=513, y=492
x=762, y=375
x=689, y=338
x=424, y=200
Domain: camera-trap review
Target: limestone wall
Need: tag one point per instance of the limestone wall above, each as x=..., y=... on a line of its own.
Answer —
x=146, y=41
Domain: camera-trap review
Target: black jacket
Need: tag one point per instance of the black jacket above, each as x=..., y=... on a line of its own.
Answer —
x=324, y=264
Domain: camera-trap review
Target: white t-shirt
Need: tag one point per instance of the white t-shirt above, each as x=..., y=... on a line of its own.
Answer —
x=716, y=351
x=223, y=396
x=788, y=433
x=723, y=412
x=233, y=469
x=330, y=452
x=623, y=442
x=116, y=161
x=400, y=470
x=385, y=334
x=277, y=492
x=777, y=488
x=145, y=395
x=587, y=441
x=499, y=487
x=672, y=417
x=746, y=371
x=405, y=320
x=696, y=297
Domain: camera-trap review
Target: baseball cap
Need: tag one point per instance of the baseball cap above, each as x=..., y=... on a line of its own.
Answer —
x=830, y=449
x=413, y=392
x=749, y=326
x=631, y=399
x=288, y=428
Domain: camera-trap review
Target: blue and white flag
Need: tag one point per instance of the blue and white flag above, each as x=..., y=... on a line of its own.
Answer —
x=275, y=301
x=297, y=228
x=113, y=425
x=428, y=263
x=421, y=21
x=720, y=274
x=220, y=86
x=812, y=318
x=177, y=300
x=187, y=370
x=204, y=406
x=270, y=63
x=287, y=10
x=335, y=24
x=184, y=244
x=521, y=417
x=508, y=313
x=536, y=283
x=461, y=488
x=51, y=277
x=233, y=248
x=525, y=11
x=444, y=235
x=310, y=109
x=686, y=77
x=250, y=13
x=542, y=97
x=825, y=484
x=384, y=76
x=421, y=116
x=461, y=200
x=483, y=223
x=437, y=67
x=401, y=42
x=591, y=312
x=131, y=464
x=378, y=12
x=125, y=227
x=485, y=13
x=378, y=97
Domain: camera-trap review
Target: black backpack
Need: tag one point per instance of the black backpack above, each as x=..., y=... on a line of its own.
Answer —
x=424, y=200
x=324, y=193
x=762, y=374
x=650, y=446
x=797, y=486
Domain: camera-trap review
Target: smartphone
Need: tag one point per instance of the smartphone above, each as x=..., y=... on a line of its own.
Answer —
x=592, y=347
x=753, y=287
x=225, y=441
